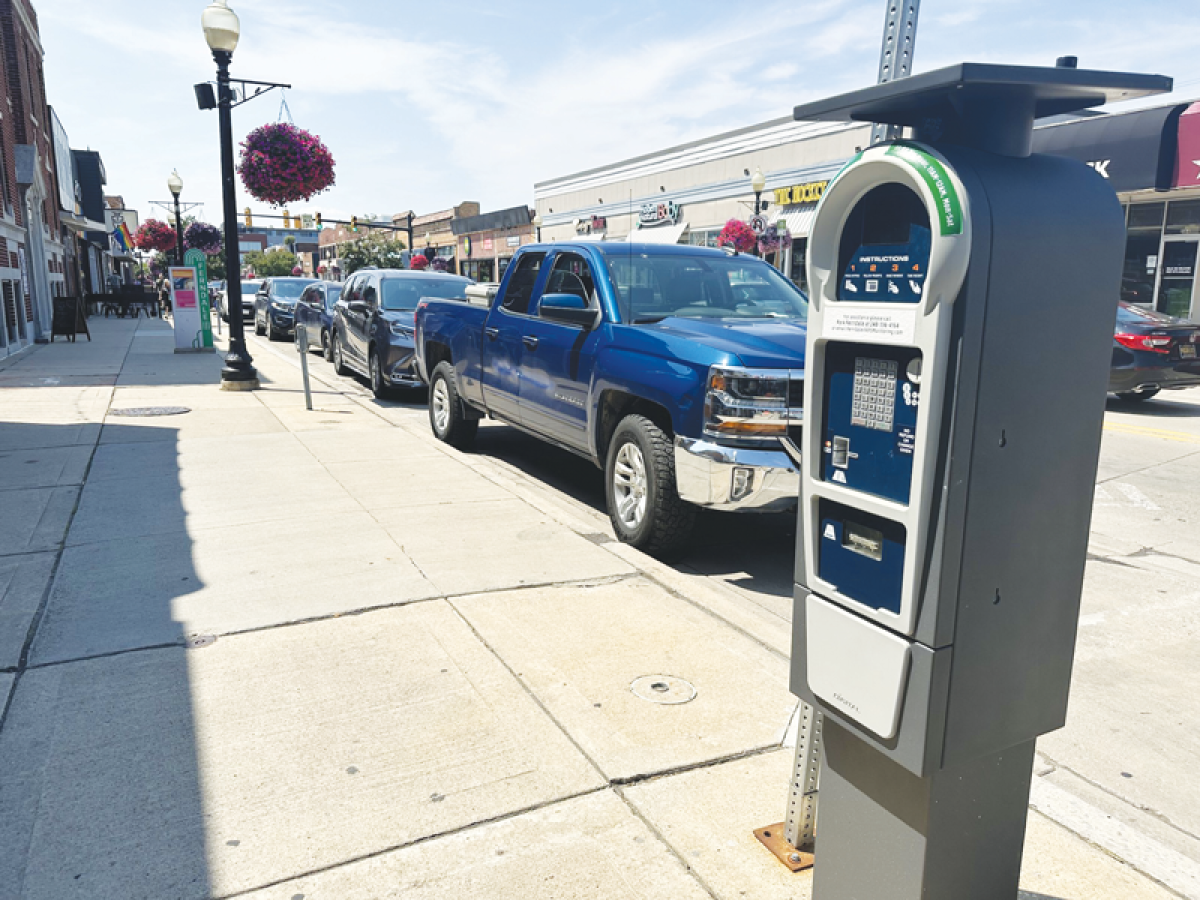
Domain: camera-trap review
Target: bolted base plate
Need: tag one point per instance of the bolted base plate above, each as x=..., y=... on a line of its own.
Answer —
x=251, y=385
x=772, y=837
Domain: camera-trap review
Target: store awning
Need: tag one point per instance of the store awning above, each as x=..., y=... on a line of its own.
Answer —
x=663, y=234
x=82, y=223
x=1135, y=151
x=799, y=219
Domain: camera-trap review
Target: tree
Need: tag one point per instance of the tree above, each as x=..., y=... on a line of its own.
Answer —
x=372, y=250
x=275, y=262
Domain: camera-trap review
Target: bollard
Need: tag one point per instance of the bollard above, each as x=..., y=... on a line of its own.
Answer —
x=302, y=348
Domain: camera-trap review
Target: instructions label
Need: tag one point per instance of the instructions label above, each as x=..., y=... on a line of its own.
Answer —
x=887, y=325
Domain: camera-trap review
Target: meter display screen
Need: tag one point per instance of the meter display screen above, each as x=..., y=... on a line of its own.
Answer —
x=869, y=437
x=884, y=255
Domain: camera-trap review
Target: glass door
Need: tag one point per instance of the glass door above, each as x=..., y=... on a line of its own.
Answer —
x=1177, y=284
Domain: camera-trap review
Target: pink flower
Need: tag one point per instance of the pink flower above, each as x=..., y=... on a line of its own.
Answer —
x=285, y=164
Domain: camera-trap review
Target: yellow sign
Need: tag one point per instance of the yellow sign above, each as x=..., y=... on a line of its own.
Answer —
x=800, y=193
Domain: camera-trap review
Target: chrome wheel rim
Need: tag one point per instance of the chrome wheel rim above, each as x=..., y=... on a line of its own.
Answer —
x=630, y=485
x=440, y=406
x=376, y=380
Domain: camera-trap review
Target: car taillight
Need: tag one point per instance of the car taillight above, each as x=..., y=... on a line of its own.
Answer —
x=1156, y=343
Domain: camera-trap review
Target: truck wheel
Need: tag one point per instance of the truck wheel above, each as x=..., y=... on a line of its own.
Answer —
x=446, y=414
x=643, y=504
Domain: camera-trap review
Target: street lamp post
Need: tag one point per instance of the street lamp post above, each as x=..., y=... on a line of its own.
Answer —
x=175, y=186
x=758, y=183
x=221, y=31
x=537, y=226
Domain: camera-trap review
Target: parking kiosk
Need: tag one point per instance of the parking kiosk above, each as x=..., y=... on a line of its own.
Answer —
x=963, y=294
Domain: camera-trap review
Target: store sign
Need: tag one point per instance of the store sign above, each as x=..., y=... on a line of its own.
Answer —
x=487, y=244
x=466, y=248
x=514, y=241
x=665, y=212
x=594, y=225
x=809, y=192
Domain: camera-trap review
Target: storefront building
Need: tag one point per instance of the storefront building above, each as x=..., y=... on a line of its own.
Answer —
x=686, y=194
x=487, y=242
x=1152, y=159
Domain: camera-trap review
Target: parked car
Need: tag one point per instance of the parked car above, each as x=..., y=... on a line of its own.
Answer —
x=373, y=323
x=249, y=289
x=677, y=370
x=314, y=311
x=1152, y=352
x=275, y=306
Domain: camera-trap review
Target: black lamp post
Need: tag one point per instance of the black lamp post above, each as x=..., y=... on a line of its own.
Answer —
x=758, y=183
x=537, y=226
x=221, y=31
x=175, y=186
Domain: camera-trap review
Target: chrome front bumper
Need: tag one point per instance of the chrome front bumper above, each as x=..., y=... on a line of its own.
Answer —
x=705, y=474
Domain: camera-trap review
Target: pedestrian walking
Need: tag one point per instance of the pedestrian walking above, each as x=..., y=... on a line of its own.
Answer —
x=164, y=295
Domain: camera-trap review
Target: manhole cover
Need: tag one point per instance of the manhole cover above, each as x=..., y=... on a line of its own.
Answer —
x=196, y=641
x=665, y=689
x=150, y=411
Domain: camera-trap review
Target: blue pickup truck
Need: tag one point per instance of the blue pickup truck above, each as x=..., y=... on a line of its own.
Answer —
x=677, y=370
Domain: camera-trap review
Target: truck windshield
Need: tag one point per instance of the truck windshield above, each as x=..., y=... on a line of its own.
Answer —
x=406, y=293
x=652, y=287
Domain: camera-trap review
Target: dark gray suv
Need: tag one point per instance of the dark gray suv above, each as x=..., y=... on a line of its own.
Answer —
x=374, y=319
x=275, y=306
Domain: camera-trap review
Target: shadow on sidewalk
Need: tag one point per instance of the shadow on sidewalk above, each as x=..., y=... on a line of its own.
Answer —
x=100, y=791
x=752, y=551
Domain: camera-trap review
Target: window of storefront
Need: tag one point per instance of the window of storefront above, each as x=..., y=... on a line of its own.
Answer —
x=1142, y=242
x=1183, y=217
x=798, y=273
x=704, y=237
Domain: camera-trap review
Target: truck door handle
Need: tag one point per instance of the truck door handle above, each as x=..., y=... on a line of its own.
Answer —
x=530, y=341
x=492, y=333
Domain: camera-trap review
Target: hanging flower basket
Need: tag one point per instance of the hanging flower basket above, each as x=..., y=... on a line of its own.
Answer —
x=418, y=262
x=738, y=235
x=203, y=237
x=772, y=242
x=296, y=270
x=284, y=164
x=155, y=235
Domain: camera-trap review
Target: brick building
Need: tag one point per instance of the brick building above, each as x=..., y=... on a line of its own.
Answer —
x=32, y=263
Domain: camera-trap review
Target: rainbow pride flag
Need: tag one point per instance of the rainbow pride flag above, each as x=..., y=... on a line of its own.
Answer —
x=123, y=237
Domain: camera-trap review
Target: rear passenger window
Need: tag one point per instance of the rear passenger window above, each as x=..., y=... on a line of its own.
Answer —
x=520, y=285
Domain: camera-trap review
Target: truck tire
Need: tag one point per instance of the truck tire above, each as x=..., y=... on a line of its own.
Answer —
x=446, y=414
x=639, y=480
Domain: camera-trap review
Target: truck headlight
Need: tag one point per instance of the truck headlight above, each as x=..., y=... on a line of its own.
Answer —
x=752, y=403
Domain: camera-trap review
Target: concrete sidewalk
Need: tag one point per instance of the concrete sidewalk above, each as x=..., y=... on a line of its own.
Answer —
x=255, y=650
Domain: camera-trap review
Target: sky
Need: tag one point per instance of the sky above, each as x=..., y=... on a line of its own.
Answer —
x=426, y=105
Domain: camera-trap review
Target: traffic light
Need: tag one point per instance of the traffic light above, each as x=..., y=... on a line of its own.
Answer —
x=249, y=218
x=318, y=221
x=354, y=224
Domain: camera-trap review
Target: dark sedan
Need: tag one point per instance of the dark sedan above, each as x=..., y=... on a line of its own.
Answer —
x=275, y=306
x=314, y=311
x=1152, y=352
x=374, y=319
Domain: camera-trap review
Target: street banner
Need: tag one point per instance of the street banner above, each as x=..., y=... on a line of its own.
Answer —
x=199, y=261
x=185, y=306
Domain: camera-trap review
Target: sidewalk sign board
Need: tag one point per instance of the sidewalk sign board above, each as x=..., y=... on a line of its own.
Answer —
x=204, y=339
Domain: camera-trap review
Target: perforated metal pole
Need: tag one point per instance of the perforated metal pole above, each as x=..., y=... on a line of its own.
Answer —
x=799, y=828
x=302, y=347
x=896, y=57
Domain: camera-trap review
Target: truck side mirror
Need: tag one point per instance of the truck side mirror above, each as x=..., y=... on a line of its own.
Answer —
x=569, y=309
